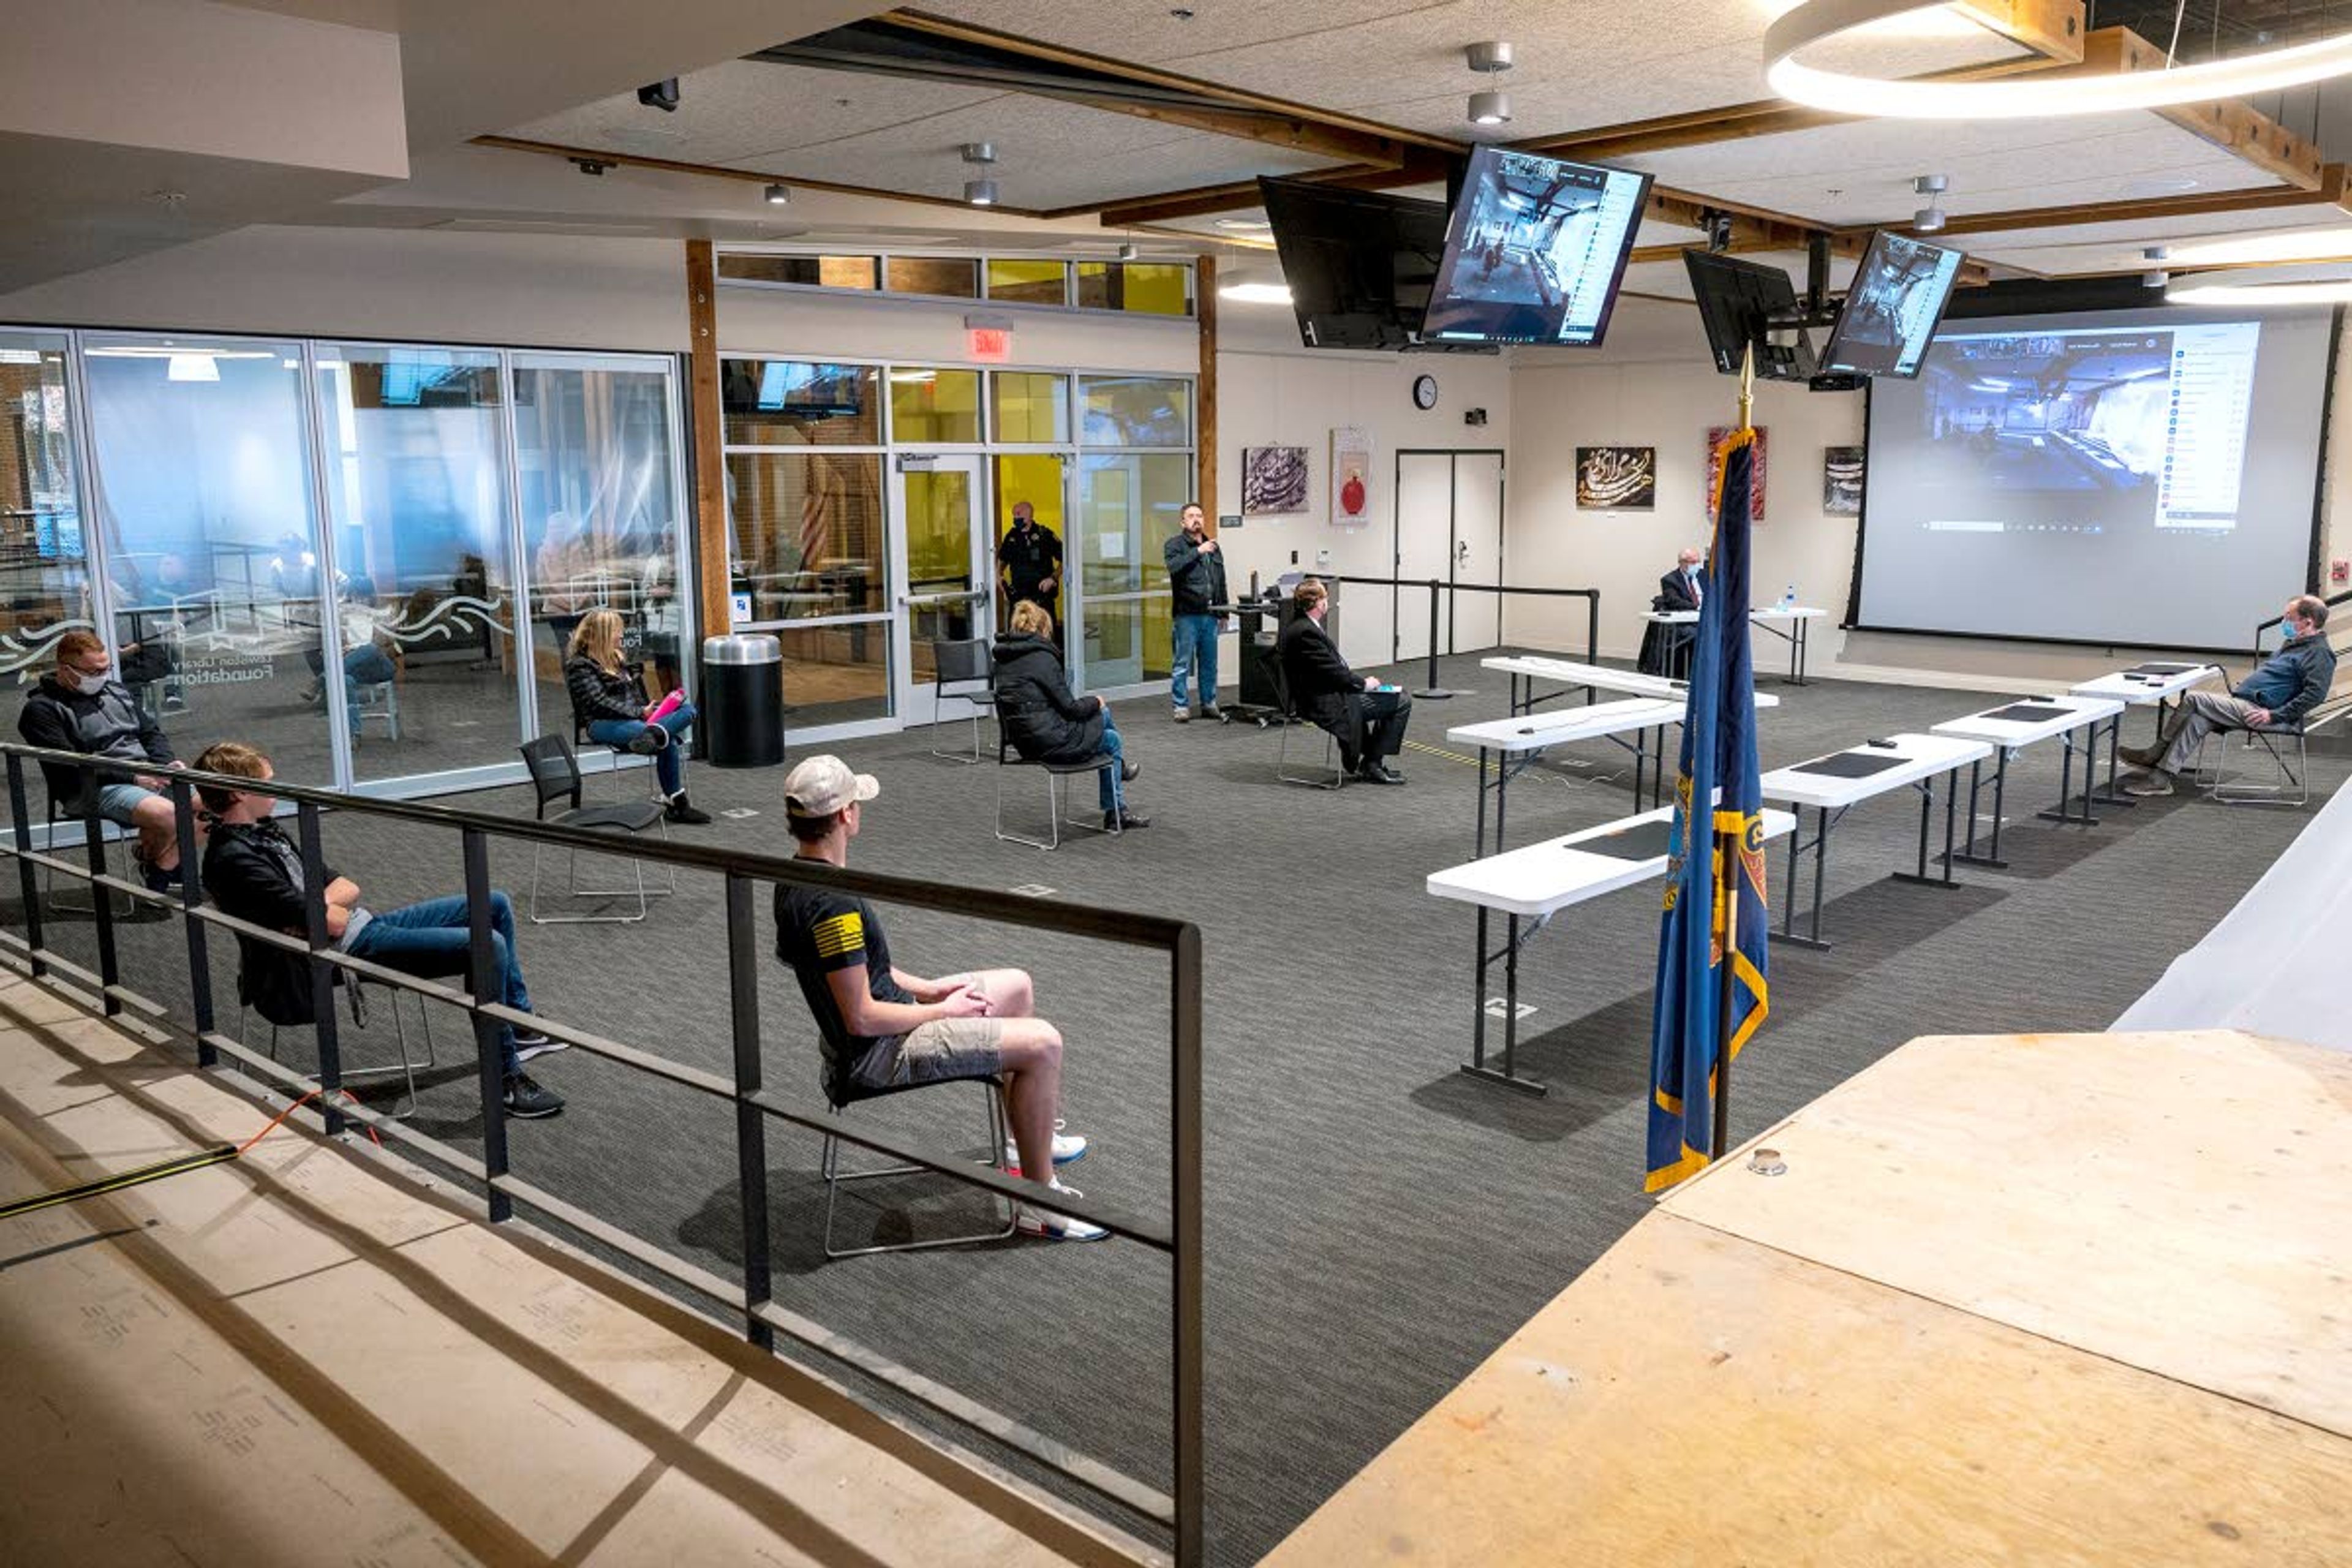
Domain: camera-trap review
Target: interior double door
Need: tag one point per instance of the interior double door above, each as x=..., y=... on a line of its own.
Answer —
x=946, y=571
x=1449, y=526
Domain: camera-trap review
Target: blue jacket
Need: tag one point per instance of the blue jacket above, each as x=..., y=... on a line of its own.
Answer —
x=2294, y=680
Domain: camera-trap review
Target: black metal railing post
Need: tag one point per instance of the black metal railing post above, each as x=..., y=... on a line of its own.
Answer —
x=1184, y=1087
x=192, y=894
x=489, y=1035
x=751, y=1126
x=102, y=902
x=20, y=817
x=1592, y=641
x=1431, y=689
x=322, y=973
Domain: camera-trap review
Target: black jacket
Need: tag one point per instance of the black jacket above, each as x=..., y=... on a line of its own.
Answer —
x=252, y=870
x=1676, y=590
x=107, y=722
x=1041, y=717
x=1196, y=579
x=1321, y=686
x=596, y=695
x=1027, y=557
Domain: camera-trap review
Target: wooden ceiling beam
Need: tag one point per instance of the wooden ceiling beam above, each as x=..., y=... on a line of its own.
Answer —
x=2333, y=190
x=1421, y=166
x=2050, y=28
x=2231, y=124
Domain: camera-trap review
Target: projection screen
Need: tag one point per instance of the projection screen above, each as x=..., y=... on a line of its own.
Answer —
x=2140, y=477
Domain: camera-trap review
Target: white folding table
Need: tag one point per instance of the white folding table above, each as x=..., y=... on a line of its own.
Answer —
x=2015, y=725
x=2158, y=683
x=1526, y=669
x=1536, y=882
x=1908, y=759
x=1798, y=618
x=1515, y=743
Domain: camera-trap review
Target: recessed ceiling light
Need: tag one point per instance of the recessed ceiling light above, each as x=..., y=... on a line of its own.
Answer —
x=980, y=193
x=1245, y=224
x=1490, y=109
x=779, y=194
x=2320, y=285
x=1246, y=290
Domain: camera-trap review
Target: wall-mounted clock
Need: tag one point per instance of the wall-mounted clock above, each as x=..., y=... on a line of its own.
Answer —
x=1425, y=391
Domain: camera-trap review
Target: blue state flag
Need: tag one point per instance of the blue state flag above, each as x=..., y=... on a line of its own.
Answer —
x=1712, y=962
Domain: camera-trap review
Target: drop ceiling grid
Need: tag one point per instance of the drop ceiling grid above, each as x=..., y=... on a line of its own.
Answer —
x=1993, y=165
x=745, y=111
x=2117, y=247
x=1581, y=63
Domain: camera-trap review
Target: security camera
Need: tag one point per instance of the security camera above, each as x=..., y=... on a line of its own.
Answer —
x=1718, y=230
x=661, y=94
x=595, y=166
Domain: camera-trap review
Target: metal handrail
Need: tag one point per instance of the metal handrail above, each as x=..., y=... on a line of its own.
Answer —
x=1178, y=1236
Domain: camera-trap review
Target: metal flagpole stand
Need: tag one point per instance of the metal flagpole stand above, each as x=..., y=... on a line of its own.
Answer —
x=1722, y=1097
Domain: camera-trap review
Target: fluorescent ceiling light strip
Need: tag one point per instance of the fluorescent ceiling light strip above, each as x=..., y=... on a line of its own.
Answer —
x=1817, y=21
x=1256, y=293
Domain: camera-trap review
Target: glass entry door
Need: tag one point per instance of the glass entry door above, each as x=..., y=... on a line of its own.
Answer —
x=945, y=593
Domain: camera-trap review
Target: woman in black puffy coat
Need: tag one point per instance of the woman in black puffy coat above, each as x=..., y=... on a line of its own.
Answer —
x=1045, y=721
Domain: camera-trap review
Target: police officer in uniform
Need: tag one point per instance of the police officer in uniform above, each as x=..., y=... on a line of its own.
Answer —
x=1029, y=563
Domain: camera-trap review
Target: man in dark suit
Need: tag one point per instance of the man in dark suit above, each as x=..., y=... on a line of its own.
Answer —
x=1368, y=721
x=1681, y=588
x=1666, y=647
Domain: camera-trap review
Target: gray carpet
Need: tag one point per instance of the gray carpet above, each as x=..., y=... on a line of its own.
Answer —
x=1377, y=1222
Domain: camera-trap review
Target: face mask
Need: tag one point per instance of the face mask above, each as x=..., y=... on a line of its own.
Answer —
x=85, y=684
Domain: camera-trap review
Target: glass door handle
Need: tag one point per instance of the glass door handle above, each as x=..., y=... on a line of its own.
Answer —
x=918, y=600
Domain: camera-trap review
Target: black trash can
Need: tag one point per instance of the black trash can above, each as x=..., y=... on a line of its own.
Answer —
x=742, y=713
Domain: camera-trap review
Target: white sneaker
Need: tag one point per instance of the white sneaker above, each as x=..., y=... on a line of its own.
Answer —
x=1067, y=1146
x=1051, y=1227
x=529, y=1044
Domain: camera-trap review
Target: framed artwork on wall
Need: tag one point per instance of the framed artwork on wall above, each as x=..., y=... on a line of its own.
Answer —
x=1616, y=478
x=1273, y=479
x=1842, y=482
x=1351, y=476
x=1716, y=436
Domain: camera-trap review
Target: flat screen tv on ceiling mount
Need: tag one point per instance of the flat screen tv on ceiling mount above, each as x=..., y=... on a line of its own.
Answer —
x=1360, y=265
x=1536, y=251
x=1892, y=307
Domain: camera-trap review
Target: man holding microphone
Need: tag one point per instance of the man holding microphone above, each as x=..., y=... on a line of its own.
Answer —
x=1196, y=577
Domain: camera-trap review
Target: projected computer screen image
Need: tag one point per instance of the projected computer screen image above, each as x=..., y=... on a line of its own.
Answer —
x=1535, y=252
x=2142, y=478
x=1899, y=291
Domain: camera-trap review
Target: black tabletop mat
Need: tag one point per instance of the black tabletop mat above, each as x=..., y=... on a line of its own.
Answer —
x=2160, y=669
x=1642, y=841
x=1851, y=764
x=2028, y=712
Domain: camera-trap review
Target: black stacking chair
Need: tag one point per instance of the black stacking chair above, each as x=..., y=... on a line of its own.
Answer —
x=841, y=1097
x=964, y=664
x=1291, y=716
x=555, y=777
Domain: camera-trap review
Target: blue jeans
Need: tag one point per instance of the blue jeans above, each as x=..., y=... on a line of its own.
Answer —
x=366, y=665
x=1195, y=646
x=1107, y=781
x=430, y=941
x=669, y=762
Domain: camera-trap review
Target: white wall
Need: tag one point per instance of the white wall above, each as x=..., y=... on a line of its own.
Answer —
x=1275, y=397
x=798, y=322
x=1654, y=386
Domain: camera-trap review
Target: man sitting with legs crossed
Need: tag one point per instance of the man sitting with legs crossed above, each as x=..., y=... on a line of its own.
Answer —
x=2282, y=688
x=884, y=1027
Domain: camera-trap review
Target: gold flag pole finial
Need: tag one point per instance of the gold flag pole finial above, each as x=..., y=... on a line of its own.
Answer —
x=1747, y=383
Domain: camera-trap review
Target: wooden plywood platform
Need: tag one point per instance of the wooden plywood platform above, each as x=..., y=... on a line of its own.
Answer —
x=2070, y=1300
x=309, y=1357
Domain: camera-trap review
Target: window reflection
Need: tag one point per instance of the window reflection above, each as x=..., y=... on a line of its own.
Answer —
x=807, y=532
x=1136, y=410
x=44, y=586
x=797, y=402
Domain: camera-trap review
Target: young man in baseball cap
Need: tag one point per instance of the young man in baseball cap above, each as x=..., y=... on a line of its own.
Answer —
x=884, y=1027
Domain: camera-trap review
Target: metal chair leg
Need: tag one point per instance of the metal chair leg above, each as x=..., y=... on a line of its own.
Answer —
x=835, y=1178
x=1338, y=778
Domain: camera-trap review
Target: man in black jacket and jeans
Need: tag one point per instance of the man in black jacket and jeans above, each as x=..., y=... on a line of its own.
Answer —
x=254, y=872
x=1368, y=721
x=80, y=706
x=1196, y=579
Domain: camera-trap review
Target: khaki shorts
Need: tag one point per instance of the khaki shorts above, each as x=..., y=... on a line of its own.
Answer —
x=942, y=1048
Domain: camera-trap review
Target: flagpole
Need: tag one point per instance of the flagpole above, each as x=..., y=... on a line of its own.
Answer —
x=1722, y=1097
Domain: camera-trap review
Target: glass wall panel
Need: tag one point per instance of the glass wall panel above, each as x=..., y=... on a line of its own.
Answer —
x=836, y=675
x=793, y=403
x=1136, y=411
x=955, y=276
x=939, y=517
x=416, y=490
x=1129, y=503
x=1030, y=282
x=44, y=580
x=820, y=272
x=1127, y=641
x=1035, y=477
x=203, y=492
x=928, y=407
x=1150, y=287
x=599, y=514
x=807, y=532
x=1030, y=407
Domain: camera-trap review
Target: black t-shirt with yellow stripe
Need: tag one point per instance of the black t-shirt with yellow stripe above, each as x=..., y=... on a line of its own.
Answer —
x=819, y=930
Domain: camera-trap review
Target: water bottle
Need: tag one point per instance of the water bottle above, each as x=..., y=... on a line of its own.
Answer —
x=1788, y=598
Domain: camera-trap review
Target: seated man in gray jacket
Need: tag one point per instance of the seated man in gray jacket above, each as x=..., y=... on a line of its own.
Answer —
x=2282, y=688
x=81, y=707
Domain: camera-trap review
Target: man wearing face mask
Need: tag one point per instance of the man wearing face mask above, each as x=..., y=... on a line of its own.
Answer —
x=1681, y=588
x=2282, y=690
x=80, y=706
x=1196, y=578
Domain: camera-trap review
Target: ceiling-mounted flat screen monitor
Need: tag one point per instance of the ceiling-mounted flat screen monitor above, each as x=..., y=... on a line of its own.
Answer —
x=1359, y=263
x=1898, y=297
x=1536, y=251
x=1744, y=305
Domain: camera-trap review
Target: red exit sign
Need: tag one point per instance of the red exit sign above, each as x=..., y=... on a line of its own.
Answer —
x=990, y=345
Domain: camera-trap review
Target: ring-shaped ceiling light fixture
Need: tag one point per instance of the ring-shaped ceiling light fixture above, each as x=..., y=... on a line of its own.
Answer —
x=2324, y=284
x=1818, y=21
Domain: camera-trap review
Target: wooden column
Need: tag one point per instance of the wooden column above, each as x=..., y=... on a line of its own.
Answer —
x=1204, y=311
x=708, y=431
